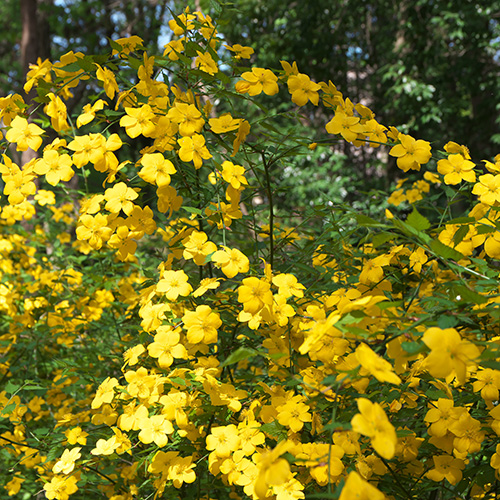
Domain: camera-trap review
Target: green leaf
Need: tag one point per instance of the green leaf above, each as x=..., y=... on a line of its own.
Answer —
x=239, y=355
x=446, y=321
x=413, y=347
x=177, y=380
x=467, y=295
x=274, y=429
x=381, y=238
x=460, y=234
x=366, y=221
x=409, y=230
x=11, y=387
x=436, y=394
x=445, y=251
x=193, y=210
x=418, y=221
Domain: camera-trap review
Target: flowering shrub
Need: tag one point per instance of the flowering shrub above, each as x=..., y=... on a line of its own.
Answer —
x=165, y=336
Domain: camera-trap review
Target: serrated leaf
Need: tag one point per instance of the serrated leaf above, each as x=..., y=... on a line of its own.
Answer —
x=8, y=409
x=381, y=238
x=435, y=394
x=467, y=295
x=11, y=387
x=33, y=387
x=446, y=321
x=273, y=428
x=413, y=347
x=445, y=251
x=193, y=210
x=239, y=355
x=460, y=234
x=366, y=221
x=493, y=364
x=177, y=380
x=418, y=221
x=485, y=229
x=410, y=230
x=461, y=220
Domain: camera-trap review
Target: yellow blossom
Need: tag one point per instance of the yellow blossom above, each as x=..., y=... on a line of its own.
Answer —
x=373, y=422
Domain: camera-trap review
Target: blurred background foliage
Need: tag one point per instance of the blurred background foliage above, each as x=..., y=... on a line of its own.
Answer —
x=429, y=67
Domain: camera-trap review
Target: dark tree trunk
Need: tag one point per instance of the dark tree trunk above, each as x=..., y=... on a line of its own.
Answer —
x=35, y=43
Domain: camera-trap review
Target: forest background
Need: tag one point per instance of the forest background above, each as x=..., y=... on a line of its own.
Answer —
x=425, y=66
x=80, y=299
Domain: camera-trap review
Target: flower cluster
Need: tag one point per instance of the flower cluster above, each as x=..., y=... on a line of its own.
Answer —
x=163, y=336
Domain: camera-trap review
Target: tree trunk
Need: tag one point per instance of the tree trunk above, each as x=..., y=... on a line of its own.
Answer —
x=35, y=43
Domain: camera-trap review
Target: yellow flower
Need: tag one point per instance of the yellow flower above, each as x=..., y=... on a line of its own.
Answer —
x=25, y=135
x=166, y=346
x=240, y=51
x=38, y=71
x=441, y=415
x=411, y=153
x=58, y=113
x=105, y=393
x=89, y=111
x=76, y=435
x=272, y=469
x=155, y=429
x=288, y=285
x=225, y=123
x=303, y=89
x=188, y=117
x=201, y=325
x=356, y=488
x=377, y=366
x=373, y=422
x=193, y=149
x=468, y=435
x=87, y=148
x=55, y=167
x=231, y=261
x=105, y=446
x=205, y=63
x=156, y=169
x=108, y=80
x=243, y=131
x=14, y=485
x=197, y=247
x=127, y=44
x=446, y=467
x=205, y=285
x=139, y=121
x=66, y=463
x=181, y=471
x=173, y=284
x=455, y=169
x=174, y=48
x=60, y=488
x=254, y=294
x=120, y=197
x=94, y=229
x=233, y=174
x=488, y=189
x=294, y=413
x=19, y=186
x=223, y=440
x=449, y=353
x=495, y=459
x=488, y=382
x=346, y=125
x=257, y=81
x=10, y=107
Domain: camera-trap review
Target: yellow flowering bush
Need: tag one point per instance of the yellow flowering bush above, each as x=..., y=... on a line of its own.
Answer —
x=166, y=335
